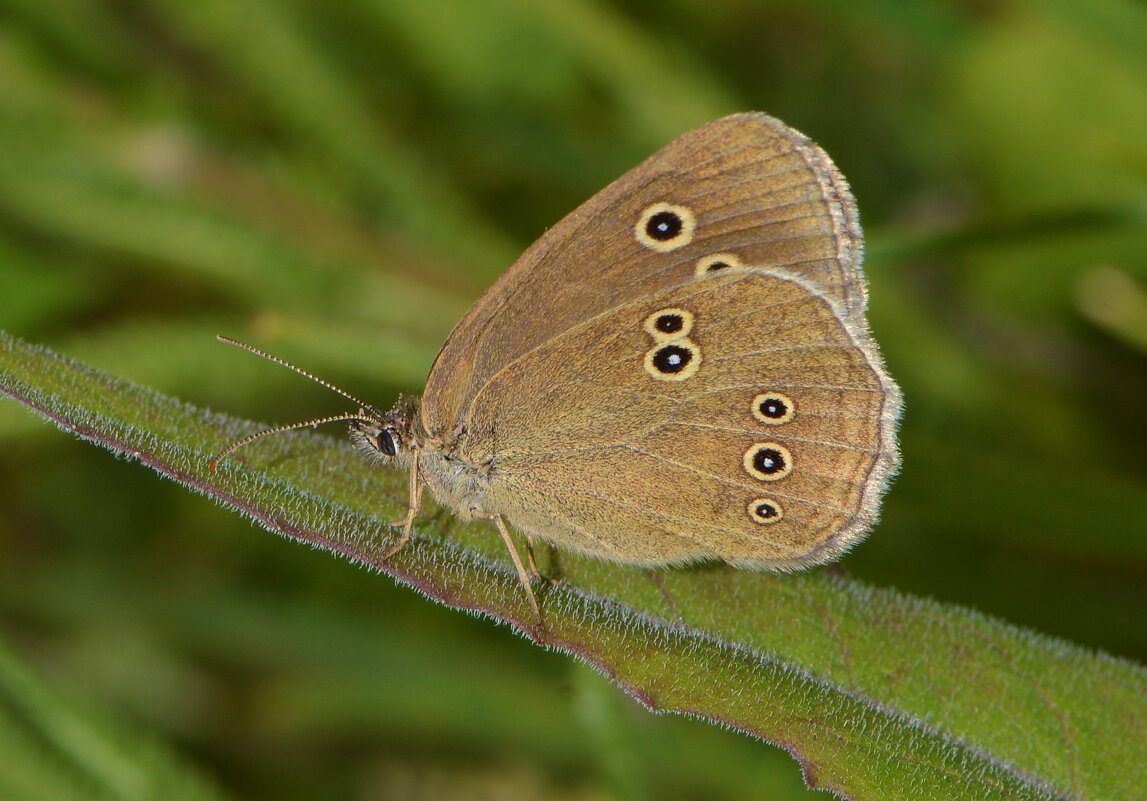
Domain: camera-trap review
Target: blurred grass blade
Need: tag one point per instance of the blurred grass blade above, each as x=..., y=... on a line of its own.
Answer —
x=462, y=46
x=1115, y=302
x=878, y=695
x=51, y=750
x=298, y=87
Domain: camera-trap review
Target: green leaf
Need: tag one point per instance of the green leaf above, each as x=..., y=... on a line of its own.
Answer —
x=878, y=695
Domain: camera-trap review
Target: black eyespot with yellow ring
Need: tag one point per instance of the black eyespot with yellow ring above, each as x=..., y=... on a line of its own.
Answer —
x=669, y=324
x=673, y=361
x=768, y=461
x=717, y=263
x=665, y=227
x=773, y=408
x=765, y=511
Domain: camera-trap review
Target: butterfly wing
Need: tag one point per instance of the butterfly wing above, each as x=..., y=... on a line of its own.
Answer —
x=746, y=189
x=739, y=416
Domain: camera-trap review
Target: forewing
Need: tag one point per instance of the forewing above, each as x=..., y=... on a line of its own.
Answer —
x=759, y=194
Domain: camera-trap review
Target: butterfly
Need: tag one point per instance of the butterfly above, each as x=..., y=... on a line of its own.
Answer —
x=678, y=371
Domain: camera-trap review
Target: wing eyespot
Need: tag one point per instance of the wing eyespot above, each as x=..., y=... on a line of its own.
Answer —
x=765, y=511
x=717, y=263
x=768, y=461
x=773, y=408
x=673, y=361
x=665, y=227
x=669, y=324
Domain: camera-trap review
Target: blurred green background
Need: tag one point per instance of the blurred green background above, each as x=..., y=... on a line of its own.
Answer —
x=338, y=181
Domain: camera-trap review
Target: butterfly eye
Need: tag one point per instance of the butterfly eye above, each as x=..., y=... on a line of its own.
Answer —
x=765, y=511
x=768, y=461
x=386, y=442
x=664, y=227
x=668, y=325
x=773, y=408
x=717, y=262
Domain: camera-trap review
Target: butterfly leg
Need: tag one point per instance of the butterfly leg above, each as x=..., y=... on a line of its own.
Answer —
x=522, y=575
x=535, y=573
x=413, y=508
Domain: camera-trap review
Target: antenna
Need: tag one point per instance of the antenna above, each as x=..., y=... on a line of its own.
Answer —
x=234, y=446
x=361, y=415
x=289, y=366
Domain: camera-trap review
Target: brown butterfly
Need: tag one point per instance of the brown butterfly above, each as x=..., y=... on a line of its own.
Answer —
x=680, y=370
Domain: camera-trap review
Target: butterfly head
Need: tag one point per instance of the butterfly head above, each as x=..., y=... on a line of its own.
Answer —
x=387, y=436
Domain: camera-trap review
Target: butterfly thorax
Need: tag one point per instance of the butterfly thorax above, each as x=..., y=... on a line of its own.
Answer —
x=456, y=482
x=457, y=475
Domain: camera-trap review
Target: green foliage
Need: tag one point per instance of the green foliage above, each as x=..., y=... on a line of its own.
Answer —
x=50, y=748
x=838, y=677
x=338, y=181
